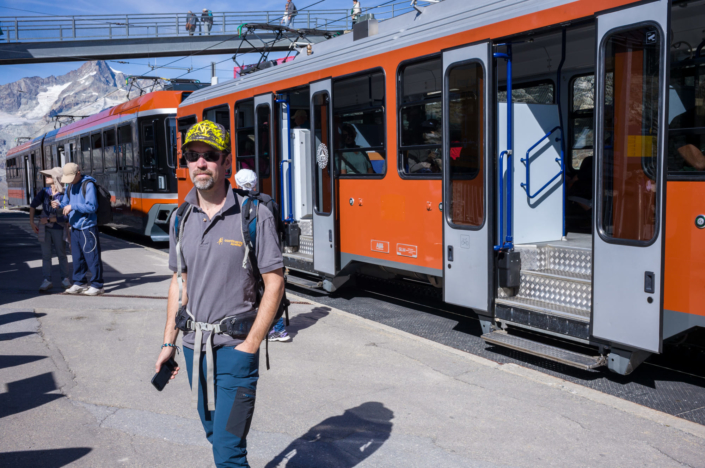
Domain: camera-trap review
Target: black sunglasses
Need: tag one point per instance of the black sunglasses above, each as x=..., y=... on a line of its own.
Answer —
x=209, y=156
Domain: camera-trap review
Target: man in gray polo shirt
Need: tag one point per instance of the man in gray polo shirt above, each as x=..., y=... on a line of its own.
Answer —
x=218, y=282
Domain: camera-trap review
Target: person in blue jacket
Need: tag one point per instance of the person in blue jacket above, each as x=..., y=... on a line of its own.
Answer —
x=85, y=241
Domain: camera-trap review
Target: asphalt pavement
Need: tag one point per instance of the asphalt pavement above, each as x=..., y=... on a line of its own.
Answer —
x=345, y=392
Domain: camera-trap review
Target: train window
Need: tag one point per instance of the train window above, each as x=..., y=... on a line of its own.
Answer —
x=48, y=163
x=466, y=107
x=321, y=132
x=96, y=153
x=631, y=110
x=184, y=124
x=149, y=151
x=72, y=153
x=11, y=168
x=245, y=134
x=420, y=118
x=534, y=92
x=219, y=115
x=109, y=150
x=359, y=123
x=85, y=163
x=60, y=156
x=582, y=107
x=686, y=106
x=264, y=137
x=124, y=146
x=170, y=135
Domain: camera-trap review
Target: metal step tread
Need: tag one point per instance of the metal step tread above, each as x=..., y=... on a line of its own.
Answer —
x=561, y=274
x=299, y=256
x=564, y=356
x=545, y=308
x=303, y=282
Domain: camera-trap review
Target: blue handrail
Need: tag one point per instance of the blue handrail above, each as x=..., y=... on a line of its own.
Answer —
x=502, y=245
x=507, y=243
x=289, y=215
x=527, y=163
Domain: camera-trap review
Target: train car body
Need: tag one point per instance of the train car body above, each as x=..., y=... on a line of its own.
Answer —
x=456, y=146
x=130, y=149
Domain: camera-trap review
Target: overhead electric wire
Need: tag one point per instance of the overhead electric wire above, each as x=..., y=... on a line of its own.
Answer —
x=226, y=40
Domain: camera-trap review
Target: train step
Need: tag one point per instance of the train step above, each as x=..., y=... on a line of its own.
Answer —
x=304, y=283
x=552, y=353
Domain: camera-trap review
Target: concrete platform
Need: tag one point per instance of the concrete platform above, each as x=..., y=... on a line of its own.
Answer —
x=346, y=392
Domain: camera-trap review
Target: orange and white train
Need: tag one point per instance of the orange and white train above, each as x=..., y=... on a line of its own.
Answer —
x=541, y=161
x=130, y=149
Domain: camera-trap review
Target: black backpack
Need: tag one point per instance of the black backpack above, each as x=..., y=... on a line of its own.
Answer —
x=104, y=212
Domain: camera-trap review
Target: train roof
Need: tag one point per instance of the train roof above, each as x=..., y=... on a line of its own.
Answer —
x=437, y=21
x=157, y=102
x=26, y=146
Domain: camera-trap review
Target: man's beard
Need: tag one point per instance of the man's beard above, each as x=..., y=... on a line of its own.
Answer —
x=201, y=184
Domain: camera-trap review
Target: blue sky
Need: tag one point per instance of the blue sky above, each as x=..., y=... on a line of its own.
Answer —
x=10, y=73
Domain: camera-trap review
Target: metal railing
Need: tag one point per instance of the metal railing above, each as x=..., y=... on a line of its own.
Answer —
x=100, y=27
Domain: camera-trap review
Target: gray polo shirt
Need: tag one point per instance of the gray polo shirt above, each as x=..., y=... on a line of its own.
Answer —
x=213, y=251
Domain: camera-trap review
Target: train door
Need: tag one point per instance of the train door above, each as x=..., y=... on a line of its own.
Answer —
x=264, y=144
x=27, y=181
x=466, y=234
x=324, y=207
x=630, y=212
x=153, y=157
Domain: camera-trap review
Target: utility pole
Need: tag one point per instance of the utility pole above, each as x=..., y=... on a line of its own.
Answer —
x=214, y=79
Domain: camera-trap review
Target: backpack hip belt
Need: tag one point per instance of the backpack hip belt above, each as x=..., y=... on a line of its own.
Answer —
x=237, y=326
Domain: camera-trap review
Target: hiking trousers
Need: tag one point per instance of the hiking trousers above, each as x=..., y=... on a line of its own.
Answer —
x=85, y=250
x=236, y=374
x=54, y=237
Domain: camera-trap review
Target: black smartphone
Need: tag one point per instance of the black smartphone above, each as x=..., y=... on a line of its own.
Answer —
x=162, y=377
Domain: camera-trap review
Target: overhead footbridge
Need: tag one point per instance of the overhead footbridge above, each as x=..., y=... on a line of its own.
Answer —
x=46, y=39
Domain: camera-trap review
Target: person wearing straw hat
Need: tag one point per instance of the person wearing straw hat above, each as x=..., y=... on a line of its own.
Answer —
x=52, y=227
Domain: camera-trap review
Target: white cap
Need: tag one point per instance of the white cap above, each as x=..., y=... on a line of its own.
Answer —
x=246, y=179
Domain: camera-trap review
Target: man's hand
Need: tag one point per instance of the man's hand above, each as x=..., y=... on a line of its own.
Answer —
x=34, y=227
x=67, y=210
x=166, y=354
x=55, y=204
x=248, y=347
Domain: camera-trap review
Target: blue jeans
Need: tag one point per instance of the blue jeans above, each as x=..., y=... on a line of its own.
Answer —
x=279, y=326
x=236, y=375
x=85, y=249
x=55, y=237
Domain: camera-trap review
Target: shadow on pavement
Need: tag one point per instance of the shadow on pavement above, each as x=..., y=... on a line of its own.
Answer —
x=340, y=441
x=53, y=458
x=12, y=361
x=18, y=316
x=304, y=321
x=27, y=394
x=12, y=336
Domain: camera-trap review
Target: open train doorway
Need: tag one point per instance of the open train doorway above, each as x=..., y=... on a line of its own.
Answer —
x=600, y=286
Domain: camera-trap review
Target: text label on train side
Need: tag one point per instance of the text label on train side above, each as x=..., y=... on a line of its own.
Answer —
x=407, y=250
x=380, y=246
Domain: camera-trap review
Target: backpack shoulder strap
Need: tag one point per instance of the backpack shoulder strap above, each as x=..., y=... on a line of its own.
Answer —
x=179, y=216
x=249, y=212
x=83, y=187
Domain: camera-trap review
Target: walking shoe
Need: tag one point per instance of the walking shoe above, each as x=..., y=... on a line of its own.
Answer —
x=279, y=336
x=66, y=283
x=76, y=289
x=46, y=285
x=93, y=291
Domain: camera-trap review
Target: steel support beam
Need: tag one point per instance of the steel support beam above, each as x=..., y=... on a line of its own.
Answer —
x=48, y=52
